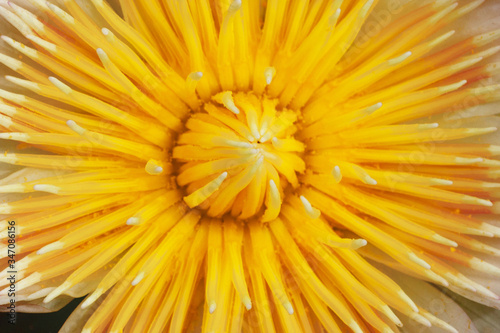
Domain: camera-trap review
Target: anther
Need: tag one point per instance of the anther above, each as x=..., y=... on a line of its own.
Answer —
x=153, y=167
x=203, y=193
x=269, y=74
x=75, y=127
x=192, y=81
x=337, y=175
x=226, y=98
x=310, y=210
x=138, y=279
x=61, y=86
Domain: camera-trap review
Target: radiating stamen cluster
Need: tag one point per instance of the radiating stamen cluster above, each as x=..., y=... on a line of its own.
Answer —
x=239, y=156
x=258, y=164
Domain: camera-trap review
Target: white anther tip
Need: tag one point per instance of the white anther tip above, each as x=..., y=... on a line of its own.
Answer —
x=235, y=5
x=133, y=221
x=413, y=257
x=196, y=76
x=46, y=188
x=60, y=85
x=248, y=303
x=75, y=127
x=212, y=307
x=85, y=304
x=138, y=279
x=289, y=308
x=92, y=298
x=153, y=167
x=370, y=181
x=357, y=243
x=269, y=74
x=337, y=175
x=50, y=247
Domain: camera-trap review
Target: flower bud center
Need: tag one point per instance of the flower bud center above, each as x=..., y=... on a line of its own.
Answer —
x=238, y=156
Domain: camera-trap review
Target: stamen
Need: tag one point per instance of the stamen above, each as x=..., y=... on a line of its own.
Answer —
x=482, y=266
x=138, y=278
x=192, y=80
x=133, y=221
x=226, y=98
x=23, y=83
x=413, y=257
x=288, y=144
x=337, y=175
x=27, y=17
x=58, y=291
x=153, y=167
x=214, y=263
x=65, y=17
x=358, y=243
x=15, y=21
x=92, y=298
x=12, y=63
x=234, y=7
x=28, y=281
x=212, y=307
x=269, y=73
x=314, y=76
x=113, y=143
x=361, y=174
x=436, y=322
x=400, y=59
x=273, y=202
x=51, y=247
x=407, y=300
x=233, y=235
x=6, y=121
x=75, y=127
x=419, y=319
x=47, y=188
x=312, y=212
x=203, y=193
x=441, y=240
x=150, y=106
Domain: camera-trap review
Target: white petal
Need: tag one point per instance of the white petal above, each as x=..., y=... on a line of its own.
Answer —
x=434, y=301
x=486, y=319
x=76, y=321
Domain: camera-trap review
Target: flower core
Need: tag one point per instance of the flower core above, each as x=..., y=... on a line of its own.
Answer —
x=233, y=154
x=249, y=166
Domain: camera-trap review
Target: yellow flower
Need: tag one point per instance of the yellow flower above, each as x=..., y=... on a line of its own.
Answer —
x=255, y=166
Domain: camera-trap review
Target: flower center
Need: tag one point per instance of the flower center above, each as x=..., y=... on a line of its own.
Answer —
x=238, y=156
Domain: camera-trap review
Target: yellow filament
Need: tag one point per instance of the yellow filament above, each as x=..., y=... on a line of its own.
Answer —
x=264, y=254
x=233, y=237
x=203, y=193
x=211, y=156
